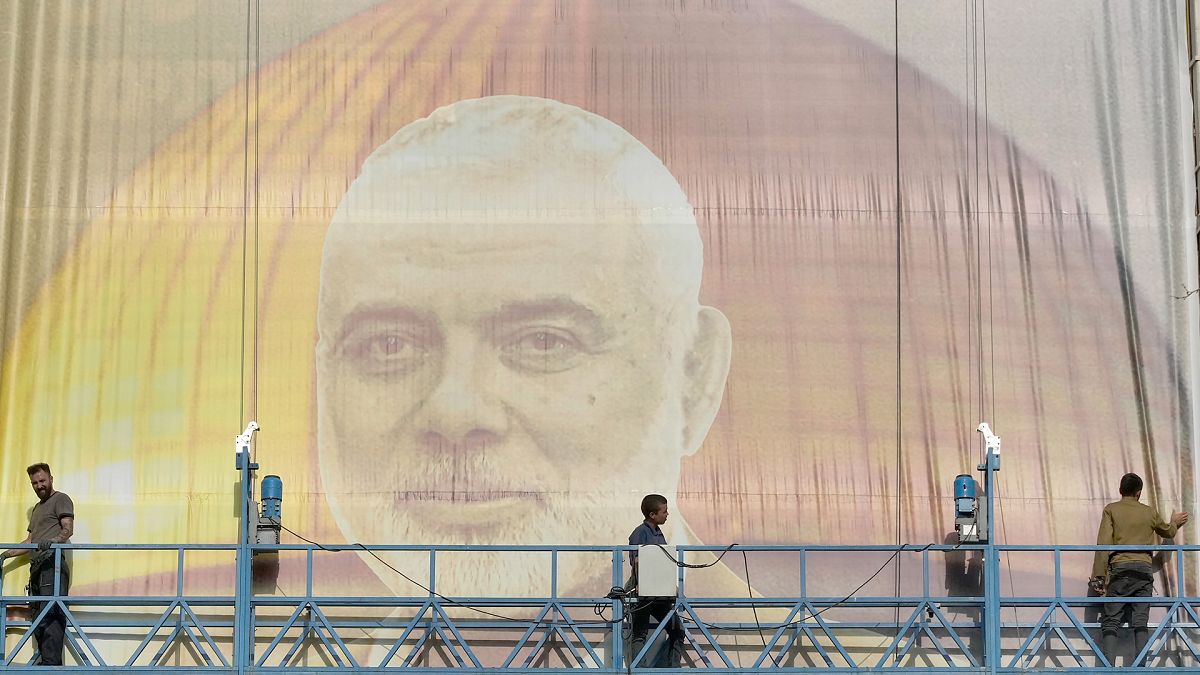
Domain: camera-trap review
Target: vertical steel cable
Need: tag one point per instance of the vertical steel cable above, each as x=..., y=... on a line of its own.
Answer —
x=250, y=190
x=899, y=296
x=257, y=117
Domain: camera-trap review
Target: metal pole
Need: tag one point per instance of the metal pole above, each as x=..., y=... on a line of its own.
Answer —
x=618, y=607
x=991, y=576
x=243, y=646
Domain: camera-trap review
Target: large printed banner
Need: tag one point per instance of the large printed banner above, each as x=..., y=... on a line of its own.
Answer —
x=487, y=272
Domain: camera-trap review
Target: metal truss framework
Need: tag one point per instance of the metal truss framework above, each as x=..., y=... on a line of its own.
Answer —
x=922, y=630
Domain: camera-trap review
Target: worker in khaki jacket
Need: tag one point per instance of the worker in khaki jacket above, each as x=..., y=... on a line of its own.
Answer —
x=1128, y=574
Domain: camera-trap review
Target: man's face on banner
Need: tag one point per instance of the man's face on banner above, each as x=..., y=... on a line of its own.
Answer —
x=497, y=374
x=482, y=376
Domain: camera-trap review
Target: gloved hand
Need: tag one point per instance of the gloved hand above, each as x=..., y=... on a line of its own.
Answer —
x=42, y=557
x=1096, y=584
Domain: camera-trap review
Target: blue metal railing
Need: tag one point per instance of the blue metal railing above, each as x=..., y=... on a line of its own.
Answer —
x=802, y=616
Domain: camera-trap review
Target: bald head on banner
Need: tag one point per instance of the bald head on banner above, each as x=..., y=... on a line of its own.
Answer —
x=511, y=344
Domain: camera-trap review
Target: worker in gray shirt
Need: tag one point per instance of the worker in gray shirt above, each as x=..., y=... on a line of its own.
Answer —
x=654, y=509
x=52, y=521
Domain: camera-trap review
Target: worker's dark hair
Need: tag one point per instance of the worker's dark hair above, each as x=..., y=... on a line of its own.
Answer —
x=652, y=503
x=40, y=466
x=1131, y=484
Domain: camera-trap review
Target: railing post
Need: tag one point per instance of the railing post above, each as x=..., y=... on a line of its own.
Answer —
x=3, y=618
x=241, y=607
x=243, y=630
x=618, y=643
x=991, y=606
x=991, y=561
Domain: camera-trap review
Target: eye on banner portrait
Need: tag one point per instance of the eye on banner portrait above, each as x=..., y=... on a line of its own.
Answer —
x=488, y=272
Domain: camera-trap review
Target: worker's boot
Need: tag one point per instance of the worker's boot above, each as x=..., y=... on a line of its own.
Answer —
x=1109, y=647
x=635, y=648
x=674, y=654
x=1140, y=636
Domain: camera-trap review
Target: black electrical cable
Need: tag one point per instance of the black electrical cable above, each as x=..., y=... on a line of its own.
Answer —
x=456, y=603
x=754, y=608
x=629, y=613
x=844, y=600
x=692, y=566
